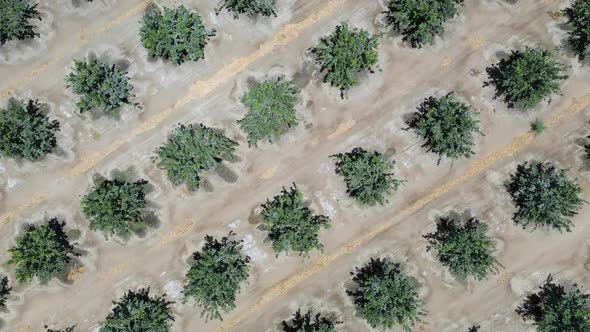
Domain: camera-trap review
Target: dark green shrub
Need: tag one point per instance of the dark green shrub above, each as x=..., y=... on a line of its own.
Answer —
x=174, y=34
x=291, y=225
x=271, y=110
x=345, y=54
x=538, y=127
x=252, y=8
x=216, y=274
x=578, y=17
x=368, y=176
x=25, y=132
x=308, y=323
x=14, y=20
x=139, y=312
x=420, y=21
x=526, y=78
x=4, y=291
x=544, y=196
x=190, y=151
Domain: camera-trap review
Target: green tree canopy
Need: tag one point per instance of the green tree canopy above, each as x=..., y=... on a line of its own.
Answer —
x=385, y=296
x=544, y=196
x=291, y=225
x=420, y=21
x=25, y=132
x=4, y=290
x=137, y=311
x=368, y=175
x=464, y=248
x=345, y=54
x=553, y=309
x=308, y=323
x=447, y=125
x=115, y=206
x=271, y=110
x=174, y=34
x=14, y=20
x=42, y=251
x=216, y=274
x=190, y=151
x=100, y=86
x=252, y=8
x=578, y=16
x=526, y=78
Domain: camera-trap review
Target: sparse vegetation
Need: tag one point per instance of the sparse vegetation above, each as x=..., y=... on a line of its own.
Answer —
x=4, y=291
x=252, y=8
x=101, y=87
x=447, y=125
x=553, y=309
x=15, y=16
x=175, y=35
x=368, y=175
x=190, y=151
x=308, y=323
x=524, y=79
x=464, y=248
x=544, y=196
x=25, y=132
x=42, y=252
x=67, y=329
x=271, y=110
x=578, y=18
x=216, y=274
x=291, y=225
x=538, y=126
x=385, y=296
x=137, y=311
x=474, y=328
x=345, y=54
x=420, y=21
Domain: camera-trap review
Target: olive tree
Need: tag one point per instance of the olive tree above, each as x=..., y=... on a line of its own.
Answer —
x=290, y=224
x=464, y=248
x=524, y=79
x=544, y=196
x=555, y=309
x=252, y=8
x=42, y=252
x=420, y=21
x=115, y=206
x=271, y=110
x=578, y=17
x=15, y=16
x=384, y=296
x=368, y=175
x=25, y=132
x=447, y=125
x=100, y=86
x=307, y=322
x=345, y=54
x=137, y=311
x=4, y=290
x=216, y=274
x=175, y=35
x=192, y=150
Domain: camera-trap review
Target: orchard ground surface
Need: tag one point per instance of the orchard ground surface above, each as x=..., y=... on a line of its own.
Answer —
x=373, y=117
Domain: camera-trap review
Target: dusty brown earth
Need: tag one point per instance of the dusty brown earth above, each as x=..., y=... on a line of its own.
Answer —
x=373, y=117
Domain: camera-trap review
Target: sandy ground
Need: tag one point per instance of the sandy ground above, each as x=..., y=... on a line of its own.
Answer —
x=372, y=117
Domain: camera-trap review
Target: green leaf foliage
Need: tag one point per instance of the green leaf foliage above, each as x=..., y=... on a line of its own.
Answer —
x=464, y=248
x=544, y=196
x=190, y=151
x=137, y=311
x=385, y=296
x=100, y=86
x=368, y=175
x=553, y=309
x=42, y=251
x=291, y=225
x=578, y=17
x=308, y=323
x=538, y=126
x=420, y=21
x=271, y=110
x=252, y=8
x=447, y=125
x=345, y=54
x=114, y=206
x=175, y=34
x=216, y=274
x=14, y=20
x=25, y=132
x=524, y=79
x=4, y=291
